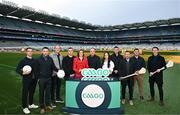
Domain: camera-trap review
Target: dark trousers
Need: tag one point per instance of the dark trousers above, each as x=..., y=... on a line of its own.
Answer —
x=44, y=92
x=124, y=83
x=32, y=91
x=28, y=90
x=160, y=88
x=55, y=88
x=115, y=76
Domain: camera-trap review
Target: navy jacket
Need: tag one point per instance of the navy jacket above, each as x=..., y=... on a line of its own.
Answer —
x=138, y=63
x=44, y=67
x=94, y=62
x=67, y=65
x=123, y=70
x=154, y=63
x=22, y=63
x=116, y=60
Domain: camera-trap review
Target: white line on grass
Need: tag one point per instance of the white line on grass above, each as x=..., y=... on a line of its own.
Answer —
x=7, y=66
x=12, y=72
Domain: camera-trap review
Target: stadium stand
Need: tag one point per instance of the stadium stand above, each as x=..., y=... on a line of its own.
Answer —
x=23, y=26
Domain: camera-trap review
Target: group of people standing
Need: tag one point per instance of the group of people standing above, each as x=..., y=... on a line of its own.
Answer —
x=45, y=68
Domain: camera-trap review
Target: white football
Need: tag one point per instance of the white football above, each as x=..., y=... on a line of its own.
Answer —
x=60, y=74
x=27, y=68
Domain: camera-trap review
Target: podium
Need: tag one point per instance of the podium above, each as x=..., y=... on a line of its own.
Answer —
x=92, y=97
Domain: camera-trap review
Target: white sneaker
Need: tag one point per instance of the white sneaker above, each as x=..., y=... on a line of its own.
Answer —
x=59, y=101
x=26, y=111
x=123, y=101
x=53, y=105
x=33, y=106
x=131, y=102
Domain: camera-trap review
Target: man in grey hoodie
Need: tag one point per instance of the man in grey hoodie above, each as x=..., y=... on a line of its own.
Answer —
x=56, y=82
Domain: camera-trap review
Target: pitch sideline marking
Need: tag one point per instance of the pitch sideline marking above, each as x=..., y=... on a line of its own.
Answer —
x=7, y=66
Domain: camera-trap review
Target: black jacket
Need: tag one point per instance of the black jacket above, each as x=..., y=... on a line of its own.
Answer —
x=123, y=70
x=22, y=63
x=116, y=60
x=154, y=63
x=94, y=62
x=138, y=63
x=44, y=67
x=67, y=65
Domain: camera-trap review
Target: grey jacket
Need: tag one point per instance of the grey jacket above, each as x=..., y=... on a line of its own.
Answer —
x=55, y=60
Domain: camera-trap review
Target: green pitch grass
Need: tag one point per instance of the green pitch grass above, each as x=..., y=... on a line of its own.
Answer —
x=10, y=91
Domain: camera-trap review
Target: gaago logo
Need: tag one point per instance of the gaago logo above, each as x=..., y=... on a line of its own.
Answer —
x=95, y=73
x=90, y=95
x=93, y=96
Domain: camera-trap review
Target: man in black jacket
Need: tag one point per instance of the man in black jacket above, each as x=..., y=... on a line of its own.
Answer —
x=94, y=60
x=155, y=62
x=126, y=68
x=45, y=67
x=138, y=63
x=67, y=64
x=29, y=81
x=116, y=58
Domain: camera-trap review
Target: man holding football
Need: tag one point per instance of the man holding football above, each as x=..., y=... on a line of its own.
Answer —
x=26, y=68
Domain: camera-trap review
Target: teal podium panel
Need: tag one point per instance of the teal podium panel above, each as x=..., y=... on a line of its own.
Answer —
x=92, y=97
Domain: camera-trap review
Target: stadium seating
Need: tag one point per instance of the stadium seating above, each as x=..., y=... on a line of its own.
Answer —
x=21, y=33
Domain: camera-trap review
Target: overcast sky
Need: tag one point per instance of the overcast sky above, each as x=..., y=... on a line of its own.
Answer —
x=108, y=12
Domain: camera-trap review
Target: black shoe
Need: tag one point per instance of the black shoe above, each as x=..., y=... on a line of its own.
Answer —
x=152, y=99
x=141, y=98
x=161, y=103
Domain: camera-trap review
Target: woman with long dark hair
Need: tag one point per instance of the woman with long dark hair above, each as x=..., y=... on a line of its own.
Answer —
x=107, y=63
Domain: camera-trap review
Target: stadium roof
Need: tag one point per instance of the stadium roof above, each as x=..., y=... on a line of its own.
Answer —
x=148, y=24
x=11, y=9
